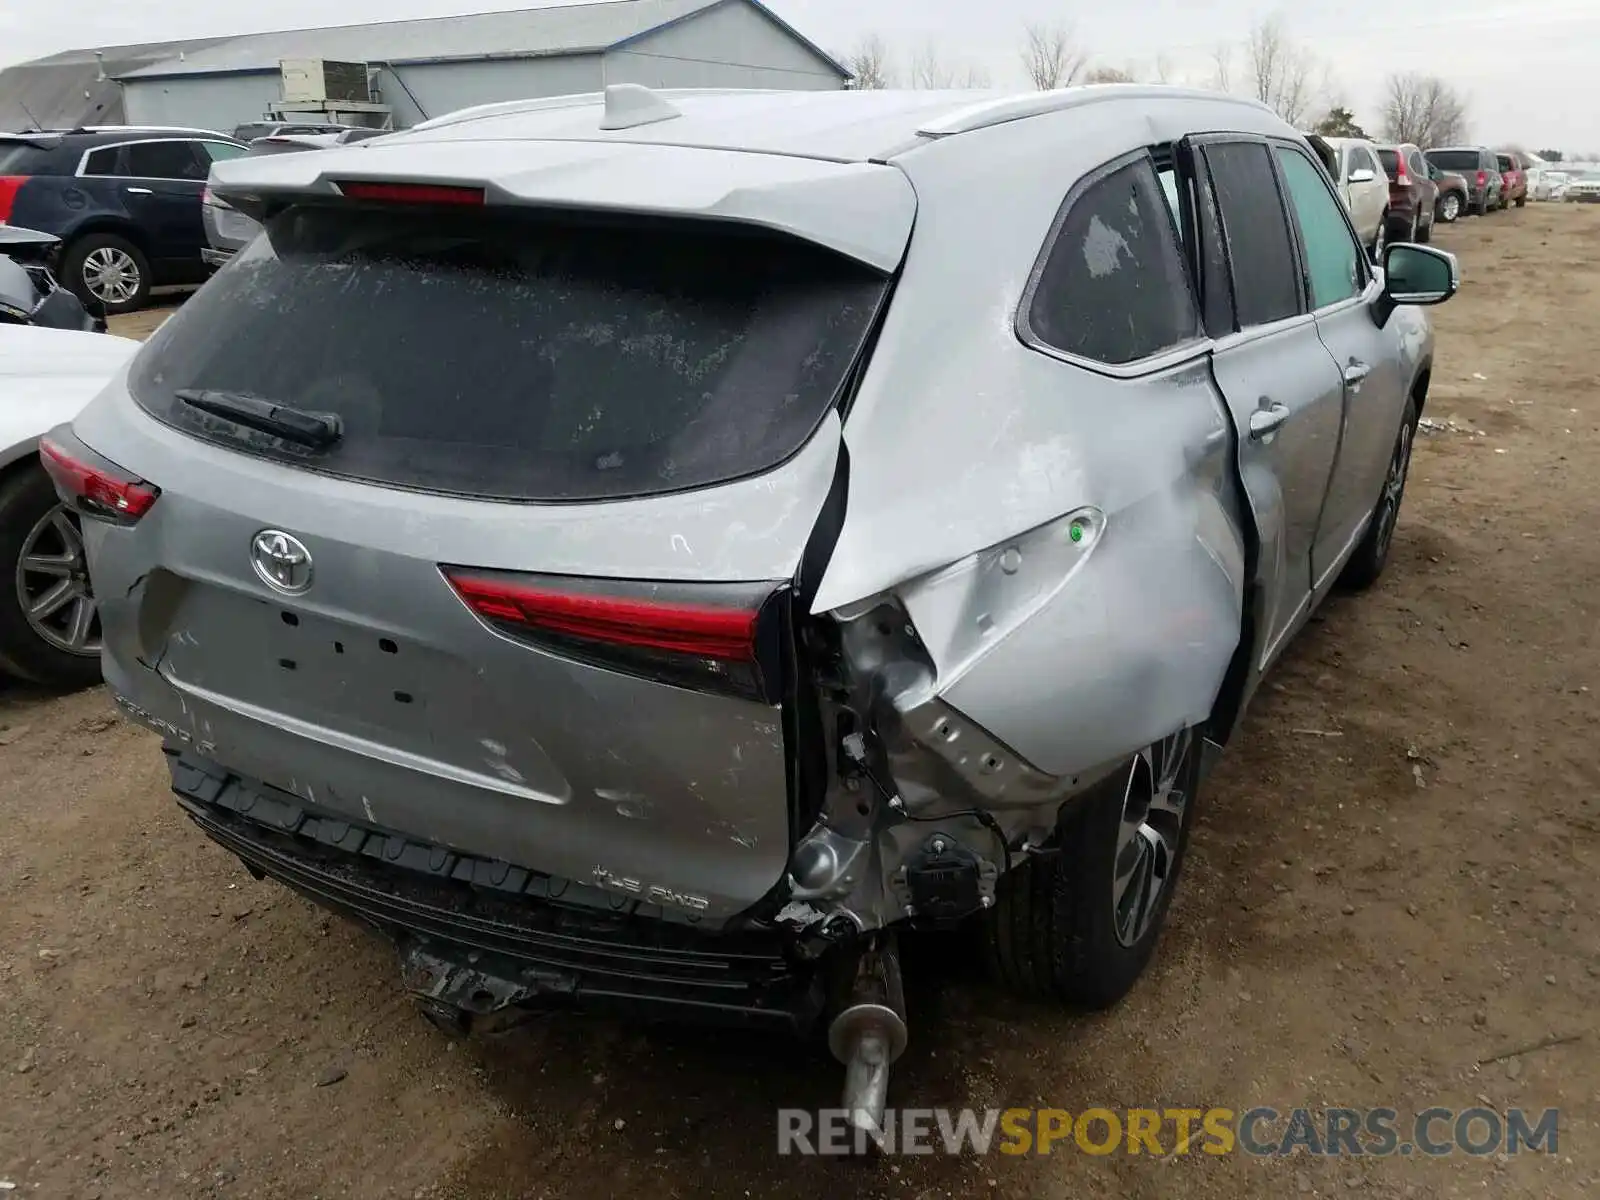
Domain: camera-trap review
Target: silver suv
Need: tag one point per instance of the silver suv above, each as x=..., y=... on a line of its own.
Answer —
x=643, y=550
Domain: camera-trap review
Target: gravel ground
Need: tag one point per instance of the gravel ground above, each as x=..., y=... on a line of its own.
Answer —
x=1393, y=878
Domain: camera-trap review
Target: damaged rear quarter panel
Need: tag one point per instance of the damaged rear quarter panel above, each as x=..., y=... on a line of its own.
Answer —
x=959, y=454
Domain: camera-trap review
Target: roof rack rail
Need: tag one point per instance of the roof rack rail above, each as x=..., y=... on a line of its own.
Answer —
x=503, y=108
x=999, y=110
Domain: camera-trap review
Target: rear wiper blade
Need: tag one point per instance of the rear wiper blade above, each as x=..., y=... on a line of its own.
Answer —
x=317, y=430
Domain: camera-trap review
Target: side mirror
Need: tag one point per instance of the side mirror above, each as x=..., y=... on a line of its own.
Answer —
x=1415, y=275
x=1362, y=175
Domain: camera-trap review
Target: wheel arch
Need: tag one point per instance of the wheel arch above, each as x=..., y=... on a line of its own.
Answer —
x=106, y=223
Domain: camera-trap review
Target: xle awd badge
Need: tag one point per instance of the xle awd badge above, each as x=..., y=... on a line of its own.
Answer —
x=282, y=561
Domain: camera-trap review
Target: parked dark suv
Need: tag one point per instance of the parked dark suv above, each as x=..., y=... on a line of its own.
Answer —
x=1413, y=195
x=125, y=203
x=1480, y=166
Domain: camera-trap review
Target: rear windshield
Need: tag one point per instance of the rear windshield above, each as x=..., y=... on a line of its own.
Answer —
x=23, y=158
x=1454, y=160
x=514, y=357
x=1389, y=160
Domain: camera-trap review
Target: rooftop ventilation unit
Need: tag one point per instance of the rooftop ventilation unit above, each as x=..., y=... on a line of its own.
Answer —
x=319, y=82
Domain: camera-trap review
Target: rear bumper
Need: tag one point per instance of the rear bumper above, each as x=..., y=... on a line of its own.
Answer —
x=476, y=936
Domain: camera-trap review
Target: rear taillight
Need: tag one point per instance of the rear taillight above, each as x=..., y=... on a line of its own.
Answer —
x=1483, y=178
x=715, y=637
x=409, y=193
x=94, y=486
x=1400, y=175
x=10, y=185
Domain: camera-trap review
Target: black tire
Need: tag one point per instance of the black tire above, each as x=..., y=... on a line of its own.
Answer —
x=77, y=256
x=1370, y=557
x=1522, y=201
x=1053, y=933
x=1425, y=233
x=26, y=498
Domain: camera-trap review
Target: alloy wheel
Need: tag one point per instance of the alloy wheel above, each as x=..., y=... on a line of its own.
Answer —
x=53, y=585
x=1450, y=207
x=1394, y=486
x=1154, y=801
x=111, y=275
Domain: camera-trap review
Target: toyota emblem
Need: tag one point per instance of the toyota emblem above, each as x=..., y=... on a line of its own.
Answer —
x=282, y=561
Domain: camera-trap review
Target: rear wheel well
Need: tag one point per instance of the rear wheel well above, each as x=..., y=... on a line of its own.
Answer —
x=122, y=229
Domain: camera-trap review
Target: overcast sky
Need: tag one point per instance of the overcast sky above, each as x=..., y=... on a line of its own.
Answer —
x=1527, y=68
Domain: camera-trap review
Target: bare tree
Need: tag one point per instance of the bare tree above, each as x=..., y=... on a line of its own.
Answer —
x=1109, y=75
x=930, y=70
x=1050, y=58
x=1280, y=74
x=1423, y=110
x=868, y=65
x=1222, y=67
x=1163, y=69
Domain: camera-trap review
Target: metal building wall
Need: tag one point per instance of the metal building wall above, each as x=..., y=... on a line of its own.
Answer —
x=730, y=46
x=445, y=87
x=200, y=101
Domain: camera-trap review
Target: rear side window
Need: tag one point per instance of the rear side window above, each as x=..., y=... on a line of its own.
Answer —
x=102, y=161
x=1266, y=284
x=1113, y=287
x=1505, y=162
x=1416, y=164
x=1391, y=163
x=517, y=357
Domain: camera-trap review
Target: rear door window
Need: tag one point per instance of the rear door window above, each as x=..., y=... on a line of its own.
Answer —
x=516, y=357
x=106, y=161
x=1113, y=287
x=1390, y=161
x=165, y=160
x=1266, y=275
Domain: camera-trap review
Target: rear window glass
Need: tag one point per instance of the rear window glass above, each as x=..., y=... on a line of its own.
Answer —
x=514, y=357
x=1390, y=161
x=21, y=158
x=1505, y=162
x=1454, y=160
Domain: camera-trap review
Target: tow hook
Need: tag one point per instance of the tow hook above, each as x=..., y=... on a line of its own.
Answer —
x=869, y=1033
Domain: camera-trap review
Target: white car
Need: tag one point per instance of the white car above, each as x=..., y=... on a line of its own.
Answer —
x=1364, y=187
x=1546, y=183
x=49, y=627
x=1583, y=189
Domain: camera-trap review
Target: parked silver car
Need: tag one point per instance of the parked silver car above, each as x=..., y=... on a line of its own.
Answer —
x=644, y=551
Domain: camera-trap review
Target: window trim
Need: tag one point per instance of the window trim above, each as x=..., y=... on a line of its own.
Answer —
x=83, y=160
x=1151, y=364
x=1297, y=235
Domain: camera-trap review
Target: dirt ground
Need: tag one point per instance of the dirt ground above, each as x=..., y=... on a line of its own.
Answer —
x=1395, y=875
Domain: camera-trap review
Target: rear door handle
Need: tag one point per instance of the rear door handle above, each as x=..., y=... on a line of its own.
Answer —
x=1265, y=420
x=137, y=191
x=1355, y=374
